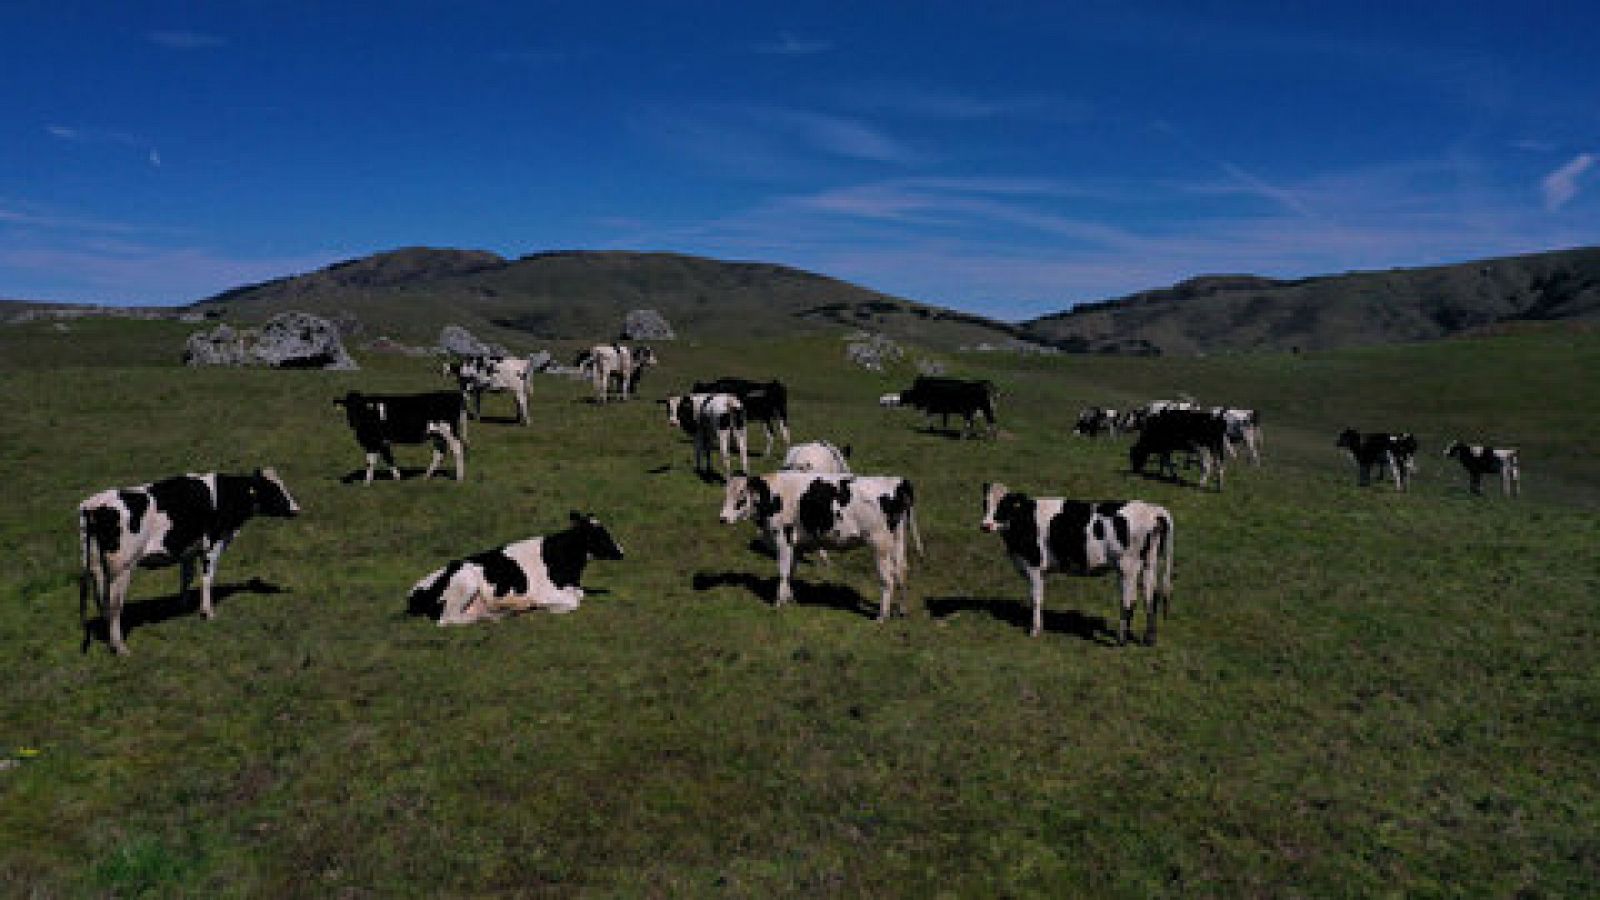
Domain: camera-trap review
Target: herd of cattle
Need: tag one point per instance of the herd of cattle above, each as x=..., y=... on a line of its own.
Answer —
x=813, y=503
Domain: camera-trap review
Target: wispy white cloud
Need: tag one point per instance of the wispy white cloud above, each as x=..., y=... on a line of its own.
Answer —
x=181, y=39
x=934, y=102
x=19, y=219
x=1561, y=185
x=789, y=45
x=772, y=142
x=130, y=272
x=114, y=137
x=850, y=138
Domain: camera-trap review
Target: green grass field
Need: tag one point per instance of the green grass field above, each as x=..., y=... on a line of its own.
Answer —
x=1357, y=692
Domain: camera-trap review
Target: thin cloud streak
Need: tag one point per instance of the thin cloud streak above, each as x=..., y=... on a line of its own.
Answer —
x=1561, y=185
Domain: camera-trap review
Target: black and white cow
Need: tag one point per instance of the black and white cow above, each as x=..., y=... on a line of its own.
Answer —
x=1182, y=431
x=1395, y=452
x=1052, y=534
x=175, y=521
x=382, y=420
x=945, y=397
x=1242, y=426
x=538, y=573
x=797, y=511
x=1134, y=419
x=707, y=418
x=1480, y=460
x=619, y=363
x=478, y=375
x=818, y=456
x=1093, y=420
x=766, y=402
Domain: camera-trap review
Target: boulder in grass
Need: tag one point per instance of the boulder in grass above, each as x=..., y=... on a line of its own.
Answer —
x=291, y=340
x=646, y=325
x=459, y=342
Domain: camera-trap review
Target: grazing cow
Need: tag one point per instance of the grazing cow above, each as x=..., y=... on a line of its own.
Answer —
x=764, y=402
x=803, y=510
x=1242, y=426
x=1395, y=452
x=1052, y=534
x=175, y=521
x=538, y=573
x=1479, y=461
x=946, y=396
x=477, y=375
x=818, y=456
x=382, y=420
x=1134, y=419
x=1092, y=420
x=708, y=417
x=606, y=363
x=1182, y=431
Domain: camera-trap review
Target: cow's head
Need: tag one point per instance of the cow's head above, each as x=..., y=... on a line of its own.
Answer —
x=643, y=356
x=737, y=501
x=597, y=541
x=1456, y=449
x=1349, y=439
x=272, y=496
x=677, y=412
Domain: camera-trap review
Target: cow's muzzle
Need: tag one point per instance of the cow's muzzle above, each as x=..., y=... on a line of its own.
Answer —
x=986, y=527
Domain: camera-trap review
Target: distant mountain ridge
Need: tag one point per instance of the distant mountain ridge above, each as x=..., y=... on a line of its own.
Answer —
x=413, y=291
x=1215, y=313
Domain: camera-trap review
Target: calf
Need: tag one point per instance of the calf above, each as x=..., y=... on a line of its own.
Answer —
x=818, y=456
x=1052, y=534
x=946, y=396
x=1242, y=426
x=477, y=375
x=177, y=520
x=1395, y=452
x=796, y=511
x=1479, y=461
x=382, y=420
x=764, y=402
x=538, y=573
x=1182, y=431
x=708, y=417
x=1092, y=420
x=625, y=365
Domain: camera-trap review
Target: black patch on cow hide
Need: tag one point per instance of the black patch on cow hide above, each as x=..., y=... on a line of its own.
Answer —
x=1019, y=512
x=103, y=525
x=565, y=554
x=236, y=503
x=1069, y=537
x=137, y=503
x=819, y=506
x=1099, y=528
x=504, y=574
x=686, y=415
x=187, y=502
x=1124, y=532
x=896, y=505
x=428, y=600
x=766, y=503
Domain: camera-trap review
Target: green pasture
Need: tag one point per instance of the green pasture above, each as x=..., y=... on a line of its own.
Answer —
x=1358, y=692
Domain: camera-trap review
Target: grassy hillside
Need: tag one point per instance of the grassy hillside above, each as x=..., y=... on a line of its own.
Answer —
x=1241, y=312
x=1357, y=692
x=411, y=293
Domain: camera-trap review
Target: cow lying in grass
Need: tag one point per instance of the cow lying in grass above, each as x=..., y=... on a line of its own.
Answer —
x=1479, y=461
x=538, y=573
x=1050, y=534
x=818, y=456
x=175, y=521
x=803, y=510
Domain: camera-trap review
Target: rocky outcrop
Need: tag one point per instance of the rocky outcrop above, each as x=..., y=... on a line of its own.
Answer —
x=291, y=340
x=646, y=325
x=871, y=350
x=457, y=341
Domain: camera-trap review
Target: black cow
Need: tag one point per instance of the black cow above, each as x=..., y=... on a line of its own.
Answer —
x=383, y=420
x=945, y=397
x=1395, y=452
x=766, y=402
x=1182, y=431
x=1052, y=534
x=538, y=573
x=175, y=521
x=1479, y=461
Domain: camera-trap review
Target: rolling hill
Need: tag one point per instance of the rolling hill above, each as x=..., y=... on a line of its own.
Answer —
x=414, y=291
x=1245, y=312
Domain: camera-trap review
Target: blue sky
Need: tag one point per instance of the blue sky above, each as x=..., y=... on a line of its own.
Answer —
x=1011, y=161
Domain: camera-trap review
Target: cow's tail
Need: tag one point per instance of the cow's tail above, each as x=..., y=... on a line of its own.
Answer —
x=1167, y=536
x=911, y=521
x=90, y=548
x=780, y=401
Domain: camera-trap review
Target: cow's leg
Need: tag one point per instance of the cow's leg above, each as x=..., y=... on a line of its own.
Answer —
x=116, y=599
x=452, y=443
x=1475, y=480
x=372, y=463
x=783, y=429
x=1035, y=576
x=436, y=442
x=521, y=395
x=185, y=577
x=888, y=567
x=1144, y=575
x=388, y=460
x=785, y=549
x=1128, y=581
x=1394, y=471
x=743, y=437
x=208, y=574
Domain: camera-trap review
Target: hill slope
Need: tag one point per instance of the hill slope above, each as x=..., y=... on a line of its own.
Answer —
x=582, y=295
x=1244, y=312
